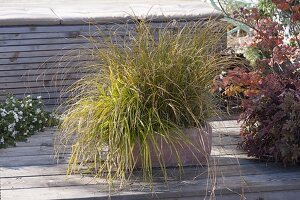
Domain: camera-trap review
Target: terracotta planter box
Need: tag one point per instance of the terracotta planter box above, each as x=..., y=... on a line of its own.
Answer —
x=190, y=155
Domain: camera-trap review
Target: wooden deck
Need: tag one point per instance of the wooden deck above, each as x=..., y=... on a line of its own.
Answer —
x=29, y=171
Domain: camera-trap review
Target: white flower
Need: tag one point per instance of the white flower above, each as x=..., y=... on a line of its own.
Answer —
x=38, y=111
x=223, y=72
x=40, y=121
x=16, y=117
x=3, y=113
x=2, y=140
x=16, y=109
x=20, y=113
x=39, y=97
x=25, y=133
x=28, y=96
x=34, y=119
x=22, y=105
x=30, y=104
x=14, y=133
x=11, y=127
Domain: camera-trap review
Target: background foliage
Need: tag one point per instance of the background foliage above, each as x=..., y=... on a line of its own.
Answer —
x=270, y=87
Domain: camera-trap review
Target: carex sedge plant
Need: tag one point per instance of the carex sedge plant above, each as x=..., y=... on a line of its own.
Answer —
x=155, y=84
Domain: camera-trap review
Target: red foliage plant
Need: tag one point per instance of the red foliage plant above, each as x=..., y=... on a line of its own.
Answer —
x=271, y=89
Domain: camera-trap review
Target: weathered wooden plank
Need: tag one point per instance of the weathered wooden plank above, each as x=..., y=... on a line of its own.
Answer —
x=35, y=160
x=65, y=28
x=39, y=72
x=43, y=149
x=44, y=91
x=30, y=161
x=86, y=29
x=41, y=78
x=35, y=84
x=187, y=188
x=46, y=139
x=43, y=59
x=195, y=172
x=47, y=98
x=46, y=181
x=66, y=34
x=194, y=175
x=7, y=43
x=46, y=148
x=44, y=65
x=82, y=191
x=45, y=47
x=81, y=39
x=225, y=124
x=32, y=171
x=50, y=53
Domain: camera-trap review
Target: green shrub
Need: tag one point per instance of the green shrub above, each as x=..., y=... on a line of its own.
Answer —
x=156, y=84
x=22, y=118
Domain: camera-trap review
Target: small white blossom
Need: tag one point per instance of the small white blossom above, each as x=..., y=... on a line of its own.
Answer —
x=11, y=127
x=16, y=117
x=14, y=133
x=3, y=113
x=2, y=140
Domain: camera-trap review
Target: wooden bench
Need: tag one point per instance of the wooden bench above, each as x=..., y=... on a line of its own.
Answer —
x=44, y=46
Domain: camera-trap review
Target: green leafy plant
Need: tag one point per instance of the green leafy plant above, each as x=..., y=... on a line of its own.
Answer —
x=21, y=118
x=155, y=84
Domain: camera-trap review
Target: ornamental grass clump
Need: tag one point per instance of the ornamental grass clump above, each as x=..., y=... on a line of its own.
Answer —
x=154, y=84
